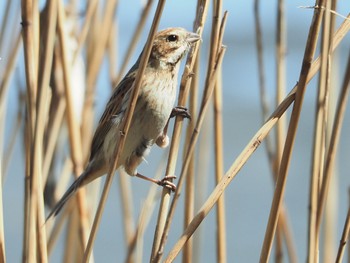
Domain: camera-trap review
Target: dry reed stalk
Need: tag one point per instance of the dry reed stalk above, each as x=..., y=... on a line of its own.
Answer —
x=4, y=23
x=6, y=78
x=344, y=238
x=53, y=137
x=30, y=60
x=124, y=126
x=28, y=25
x=4, y=86
x=2, y=232
x=319, y=143
x=281, y=47
x=250, y=148
x=272, y=156
x=36, y=35
x=72, y=250
x=204, y=106
x=219, y=167
x=274, y=153
x=218, y=131
x=134, y=40
x=329, y=238
x=37, y=199
x=288, y=236
x=333, y=144
x=126, y=200
x=27, y=253
x=91, y=10
x=112, y=53
x=204, y=158
x=174, y=145
x=65, y=176
x=2, y=174
x=291, y=134
x=10, y=147
x=57, y=228
x=93, y=67
x=73, y=127
x=144, y=218
x=190, y=182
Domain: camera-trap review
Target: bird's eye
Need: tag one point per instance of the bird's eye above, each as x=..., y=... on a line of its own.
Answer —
x=171, y=38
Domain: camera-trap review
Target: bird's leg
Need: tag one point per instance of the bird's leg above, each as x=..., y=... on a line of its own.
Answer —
x=164, y=182
x=163, y=140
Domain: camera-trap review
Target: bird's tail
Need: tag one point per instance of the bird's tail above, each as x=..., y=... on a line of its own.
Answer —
x=68, y=194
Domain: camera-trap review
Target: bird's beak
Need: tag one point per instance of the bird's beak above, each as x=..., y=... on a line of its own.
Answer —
x=192, y=37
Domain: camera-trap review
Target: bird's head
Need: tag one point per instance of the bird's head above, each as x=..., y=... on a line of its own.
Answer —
x=170, y=45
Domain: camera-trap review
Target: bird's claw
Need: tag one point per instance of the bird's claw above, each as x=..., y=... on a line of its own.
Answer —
x=180, y=111
x=168, y=184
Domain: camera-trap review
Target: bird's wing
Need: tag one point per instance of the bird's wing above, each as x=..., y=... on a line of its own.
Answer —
x=115, y=106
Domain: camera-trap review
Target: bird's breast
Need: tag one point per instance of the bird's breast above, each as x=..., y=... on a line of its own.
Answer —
x=154, y=105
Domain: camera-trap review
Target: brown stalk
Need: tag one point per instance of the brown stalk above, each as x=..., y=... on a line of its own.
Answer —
x=174, y=145
x=293, y=125
x=27, y=254
x=125, y=127
x=30, y=60
x=135, y=38
x=127, y=205
x=319, y=143
x=36, y=34
x=204, y=106
x=344, y=238
x=94, y=66
x=28, y=24
x=249, y=150
x=4, y=86
x=91, y=9
x=333, y=144
x=53, y=137
x=190, y=182
x=219, y=169
x=272, y=156
x=112, y=53
x=37, y=200
x=281, y=47
x=57, y=228
x=10, y=147
x=218, y=131
x=2, y=233
x=330, y=213
x=5, y=82
x=73, y=127
x=144, y=218
x=4, y=22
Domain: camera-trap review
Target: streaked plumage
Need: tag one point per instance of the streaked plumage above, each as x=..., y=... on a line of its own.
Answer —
x=153, y=108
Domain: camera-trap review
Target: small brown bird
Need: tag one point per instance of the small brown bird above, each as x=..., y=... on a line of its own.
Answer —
x=153, y=109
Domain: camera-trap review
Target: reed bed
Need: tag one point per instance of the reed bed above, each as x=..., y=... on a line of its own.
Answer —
x=58, y=54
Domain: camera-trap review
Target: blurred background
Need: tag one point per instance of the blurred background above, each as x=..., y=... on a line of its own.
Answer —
x=248, y=198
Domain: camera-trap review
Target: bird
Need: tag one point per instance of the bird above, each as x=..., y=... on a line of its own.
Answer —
x=154, y=108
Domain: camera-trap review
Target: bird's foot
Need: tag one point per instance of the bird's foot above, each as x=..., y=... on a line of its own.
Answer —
x=166, y=183
x=180, y=111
